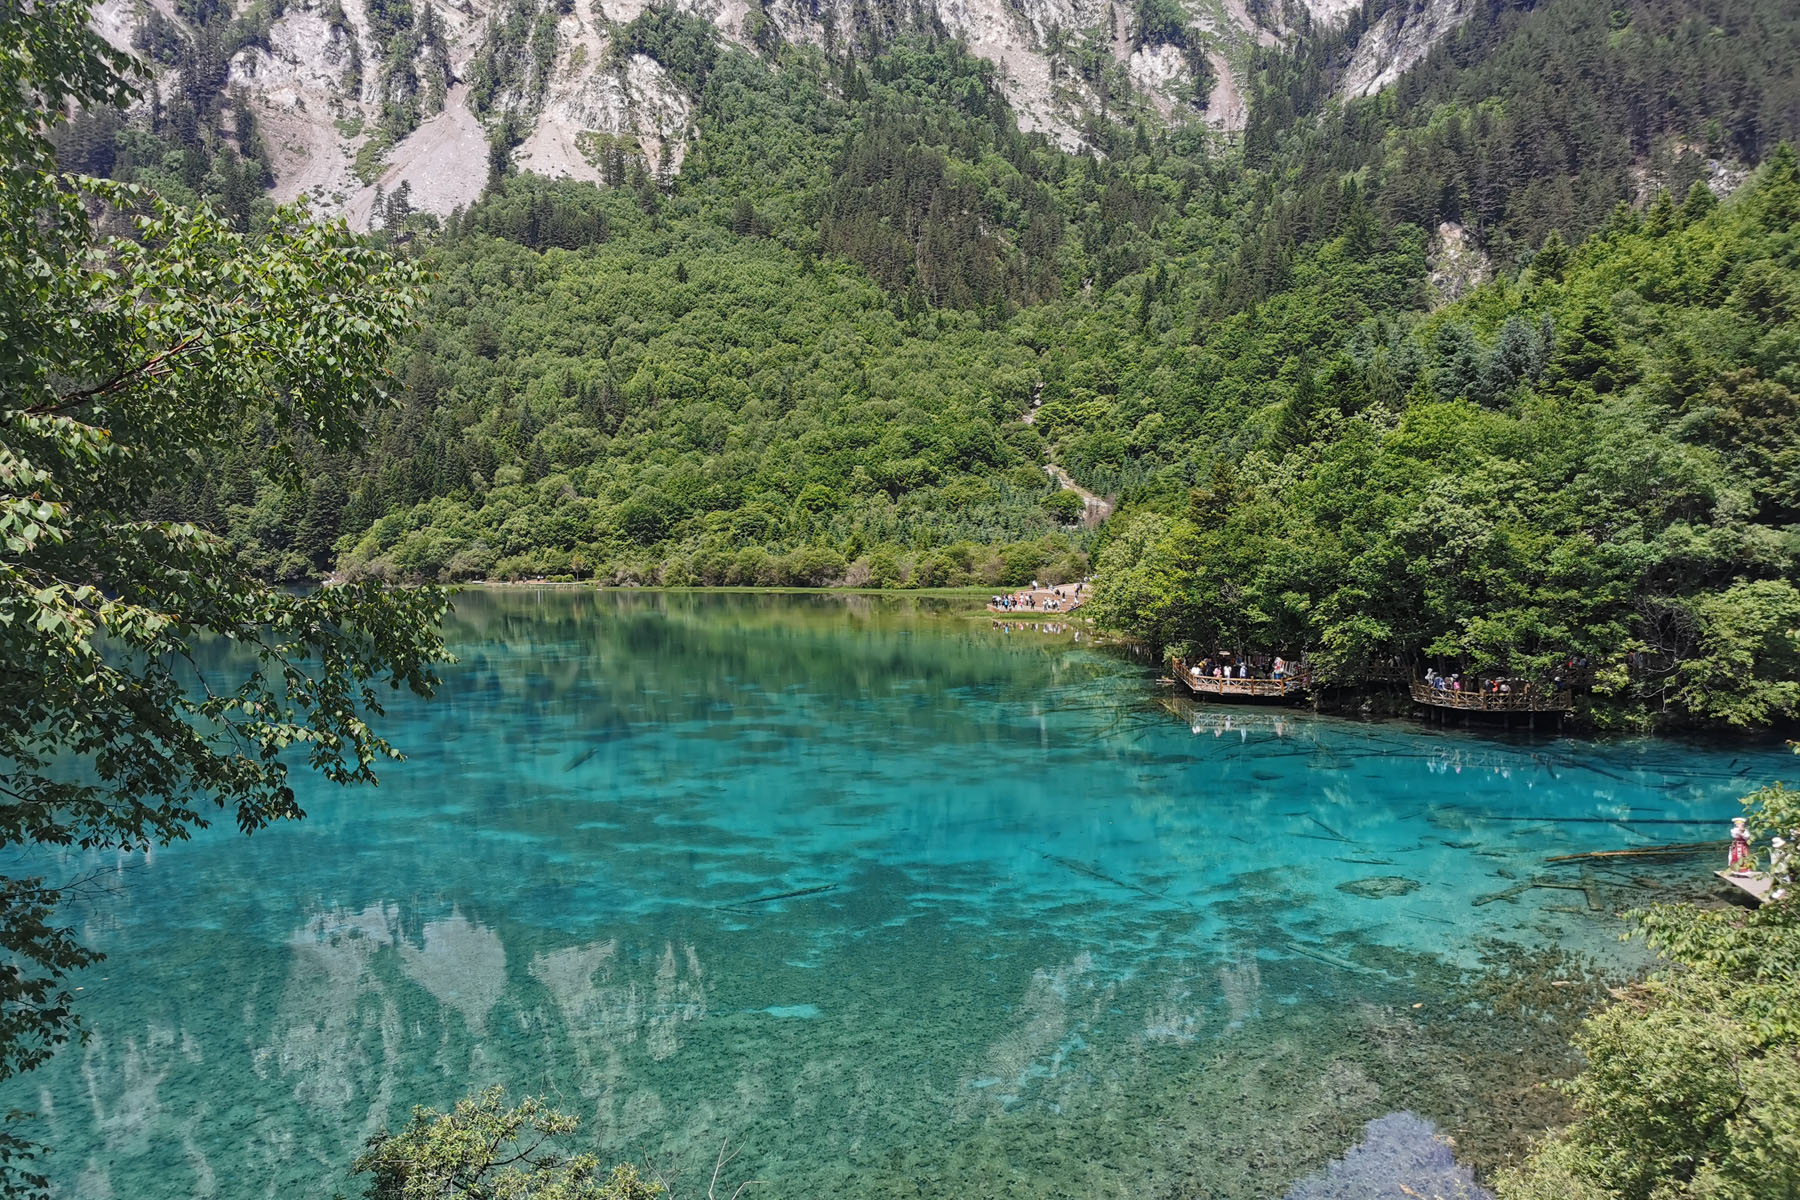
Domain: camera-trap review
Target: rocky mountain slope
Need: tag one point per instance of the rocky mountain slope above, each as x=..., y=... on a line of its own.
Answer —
x=357, y=100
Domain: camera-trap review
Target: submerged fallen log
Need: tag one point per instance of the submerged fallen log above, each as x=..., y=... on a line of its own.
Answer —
x=1092, y=873
x=1588, y=886
x=1674, y=850
x=1336, y=836
x=1511, y=893
x=1330, y=960
x=793, y=895
x=1475, y=816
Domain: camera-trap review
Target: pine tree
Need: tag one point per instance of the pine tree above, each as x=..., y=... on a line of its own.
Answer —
x=1551, y=260
x=1778, y=192
x=1700, y=201
x=1662, y=216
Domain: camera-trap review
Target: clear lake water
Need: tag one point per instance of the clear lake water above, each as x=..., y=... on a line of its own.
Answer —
x=892, y=901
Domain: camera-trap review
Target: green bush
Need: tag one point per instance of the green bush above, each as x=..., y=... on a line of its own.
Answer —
x=1692, y=1088
x=812, y=566
x=483, y=1150
x=1021, y=562
x=1065, y=507
x=886, y=569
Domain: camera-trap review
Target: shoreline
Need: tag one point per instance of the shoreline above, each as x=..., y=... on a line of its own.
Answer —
x=723, y=589
x=1366, y=703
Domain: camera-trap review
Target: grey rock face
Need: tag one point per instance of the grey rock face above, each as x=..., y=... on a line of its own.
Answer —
x=316, y=79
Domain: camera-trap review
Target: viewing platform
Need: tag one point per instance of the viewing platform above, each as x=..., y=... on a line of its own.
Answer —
x=1755, y=884
x=1211, y=687
x=1526, y=700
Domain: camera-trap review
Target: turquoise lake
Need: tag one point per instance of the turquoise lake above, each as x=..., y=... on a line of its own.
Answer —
x=893, y=900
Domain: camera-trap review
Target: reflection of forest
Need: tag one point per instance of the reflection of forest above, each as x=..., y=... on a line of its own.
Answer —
x=695, y=656
x=698, y=625
x=949, y=1070
x=378, y=1008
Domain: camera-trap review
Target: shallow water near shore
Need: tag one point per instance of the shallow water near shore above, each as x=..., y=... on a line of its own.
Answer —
x=894, y=901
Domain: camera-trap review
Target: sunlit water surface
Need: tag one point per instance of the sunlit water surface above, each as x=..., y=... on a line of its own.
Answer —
x=896, y=902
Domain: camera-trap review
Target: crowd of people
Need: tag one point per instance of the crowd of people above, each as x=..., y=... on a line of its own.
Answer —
x=1486, y=687
x=1036, y=599
x=1244, y=666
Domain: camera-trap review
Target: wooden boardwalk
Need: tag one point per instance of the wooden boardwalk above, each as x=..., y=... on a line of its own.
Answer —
x=1208, y=687
x=1526, y=701
x=1757, y=884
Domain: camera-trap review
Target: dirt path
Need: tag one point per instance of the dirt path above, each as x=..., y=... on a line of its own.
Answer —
x=1098, y=508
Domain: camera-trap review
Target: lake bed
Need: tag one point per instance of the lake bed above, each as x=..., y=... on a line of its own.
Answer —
x=894, y=901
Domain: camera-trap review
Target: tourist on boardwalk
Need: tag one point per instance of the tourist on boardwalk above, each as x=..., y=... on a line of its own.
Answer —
x=1740, y=845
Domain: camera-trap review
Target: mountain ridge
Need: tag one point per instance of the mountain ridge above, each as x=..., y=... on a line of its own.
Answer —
x=357, y=99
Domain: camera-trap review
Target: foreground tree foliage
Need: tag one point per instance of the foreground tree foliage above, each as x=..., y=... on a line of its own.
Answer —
x=484, y=1149
x=1692, y=1087
x=127, y=362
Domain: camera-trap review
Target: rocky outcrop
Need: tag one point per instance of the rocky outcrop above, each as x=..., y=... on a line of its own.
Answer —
x=315, y=75
x=309, y=83
x=1457, y=265
x=1159, y=72
x=1401, y=38
x=442, y=165
x=636, y=102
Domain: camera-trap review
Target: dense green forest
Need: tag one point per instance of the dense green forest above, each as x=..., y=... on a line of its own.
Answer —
x=811, y=356
x=1595, y=459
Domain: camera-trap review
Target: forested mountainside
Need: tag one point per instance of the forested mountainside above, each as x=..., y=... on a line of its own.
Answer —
x=1597, y=459
x=1493, y=362
x=349, y=101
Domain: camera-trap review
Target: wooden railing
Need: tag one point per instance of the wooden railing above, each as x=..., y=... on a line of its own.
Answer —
x=1210, y=685
x=1472, y=701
